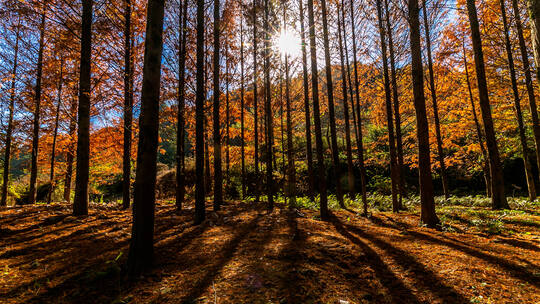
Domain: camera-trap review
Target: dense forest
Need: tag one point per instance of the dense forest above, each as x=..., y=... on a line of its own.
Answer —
x=269, y=151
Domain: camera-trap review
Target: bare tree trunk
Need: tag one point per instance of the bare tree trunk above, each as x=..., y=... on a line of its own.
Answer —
x=181, y=133
x=55, y=131
x=141, y=249
x=70, y=155
x=498, y=197
x=9, y=131
x=433, y=90
x=199, y=119
x=389, y=115
x=128, y=108
x=533, y=6
x=242, y=108
x=528, y=80
x=397, y=117
x=428, y=215
x=37, y=112
x=80, y=202
x=255, y=104
x=268, y=108
x=227, y=119
x=317, y=114
x=517, y=107
x=309, y=153
x=218, y=175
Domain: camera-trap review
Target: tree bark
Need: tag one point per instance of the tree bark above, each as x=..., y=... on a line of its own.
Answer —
x=128, y=109
x=55, y=131
x=218, y=175
x=255, y=105
x=142, y=237
x=242, y=108
x=498, y=197
x=70, y=154
x=268, y=109
x=180, y=134
x=533, y=6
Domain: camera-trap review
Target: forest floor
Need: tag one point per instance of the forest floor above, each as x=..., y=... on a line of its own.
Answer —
x=244, y=255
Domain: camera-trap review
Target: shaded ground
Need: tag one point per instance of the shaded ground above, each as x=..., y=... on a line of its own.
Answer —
x=244, y=255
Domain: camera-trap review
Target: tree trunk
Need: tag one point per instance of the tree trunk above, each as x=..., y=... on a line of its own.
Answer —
x=255, y=104
x=37, y=112
x=9, y=131
x=80, y=202
x=268, y=108
x=400, y=172
x=142, y=237
x=55, y=131
x=389, y=115
x=199, y=119
x=317, y=114
x=180, y=134
x=218, y=175
x=242, y=108
x=309, y=153
x=498, y=197
x=433, y=90
x=528, y=81
x=128, y=109
x=428, y=215
x=533, y=6
x=70, y=154
x=517, y=107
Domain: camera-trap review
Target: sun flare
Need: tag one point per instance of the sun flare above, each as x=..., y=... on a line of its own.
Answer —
x=288, y=43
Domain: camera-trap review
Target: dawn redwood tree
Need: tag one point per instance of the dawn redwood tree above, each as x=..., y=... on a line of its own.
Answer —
x=37, y=110
x=218, y=175
x=317, y=114
x=389, y=115
x=255, y=103
x=55, y=131
x=428, y=215
x=498, y=197
x=199, y=118
x=242, y=107
x=128, y=108
x=305, y=82
x=180, y=134
x=517, y=106
x=9, y=131
x=433, y=90
x=141, y=247
x=528, y=80
x=268, y=108
x=80, y=202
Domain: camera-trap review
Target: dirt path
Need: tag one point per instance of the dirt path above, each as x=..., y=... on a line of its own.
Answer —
x=244, y=255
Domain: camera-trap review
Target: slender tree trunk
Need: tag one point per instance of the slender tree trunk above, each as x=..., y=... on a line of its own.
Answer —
x=180, y=134
x=55, y=131
x=9, y=131
x=218, y=175
x=389, y=115
x=433, y=90
x=80, y=202
x=227, y=120
x=37, y=112
x=360, y=140
x=428, y=215
x=128, y=108
x=141, y=247
x=242, y=109
x=400, y=172
x=517, y=107
x=70, y=154
x=199, y=119
x=350, y=174
x=331, y=110
x=485, y=165
x=268, y=103
x=498, y=197
x=317, y=114
x=255, y=104
x=309, y=153
x=533, y=6
x=528, y=80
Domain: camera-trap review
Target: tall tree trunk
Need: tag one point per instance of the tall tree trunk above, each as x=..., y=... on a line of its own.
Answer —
x=317, y=114
x=389, y=115
x=433, y=90
x=533, y=6
x=331, y=110
x=180, y=133
x=498, y=197
x=9, y=131
x=309, y=152
x=400, y=172
x=218, y=175
x=227, y=120
x=528, y=81
x=199, y=119
x=268, y=109
x=485, y=165
x=80, y=202
x=70, y=154
x=350, y=173
x=128, y=108
x=55, y=131
x=37, y=112
x=359, y=142
x=517, y=107
x=141, y=247
x=255, y=104
x=428, y=215
x=242, y=108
